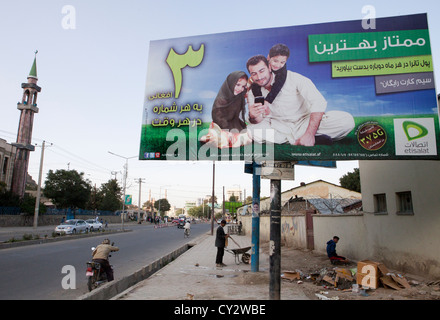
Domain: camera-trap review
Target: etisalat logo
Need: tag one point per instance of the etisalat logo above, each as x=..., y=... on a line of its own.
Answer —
x=415, y=137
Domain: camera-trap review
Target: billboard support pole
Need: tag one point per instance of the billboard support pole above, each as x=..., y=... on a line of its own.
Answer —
x=275, y=240
x=212, y=198
x=255, y=253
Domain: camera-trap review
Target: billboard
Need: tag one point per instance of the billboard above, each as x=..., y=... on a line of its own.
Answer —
x=321, y=92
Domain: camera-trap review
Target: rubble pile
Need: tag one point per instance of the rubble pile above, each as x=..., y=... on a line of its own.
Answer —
x=367, y=275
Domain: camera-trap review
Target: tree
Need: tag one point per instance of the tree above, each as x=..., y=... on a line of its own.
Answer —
x=162, y=205
x=27, y=205
x=94, y=200
x=351, y=181
x=201, y=211
x=148, y=205
x=110, y=195
x=67, y=188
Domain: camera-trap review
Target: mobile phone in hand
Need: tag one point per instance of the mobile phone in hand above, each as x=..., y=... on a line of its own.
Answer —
x=259, y=100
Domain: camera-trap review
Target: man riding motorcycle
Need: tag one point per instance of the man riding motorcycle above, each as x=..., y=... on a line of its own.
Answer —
x=101, y=253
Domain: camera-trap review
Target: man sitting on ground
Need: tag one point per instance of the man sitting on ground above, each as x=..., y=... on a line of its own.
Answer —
x=331, y=252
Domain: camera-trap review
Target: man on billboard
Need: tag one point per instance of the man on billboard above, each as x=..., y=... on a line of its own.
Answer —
x=297, y=114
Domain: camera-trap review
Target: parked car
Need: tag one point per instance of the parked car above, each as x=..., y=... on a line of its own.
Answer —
x=94, y=225
x=72, y=226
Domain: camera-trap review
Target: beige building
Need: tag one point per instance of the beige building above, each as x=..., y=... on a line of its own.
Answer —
x=7, y=156
x=400, y=222
x=236, y=192
x=319, y=189
x=299, y=205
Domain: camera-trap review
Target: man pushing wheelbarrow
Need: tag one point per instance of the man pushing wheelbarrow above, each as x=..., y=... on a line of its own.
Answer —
x=221, y=243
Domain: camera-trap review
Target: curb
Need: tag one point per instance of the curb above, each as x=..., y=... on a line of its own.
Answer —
x=116, y=287
x=21, y=243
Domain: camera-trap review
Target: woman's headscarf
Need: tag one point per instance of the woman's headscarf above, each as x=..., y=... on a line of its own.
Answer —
x=227, y=106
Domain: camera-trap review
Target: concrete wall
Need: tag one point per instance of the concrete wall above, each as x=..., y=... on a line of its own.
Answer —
x=293, y=229
x=405, y=241
x=47, y=220
x=351, y=230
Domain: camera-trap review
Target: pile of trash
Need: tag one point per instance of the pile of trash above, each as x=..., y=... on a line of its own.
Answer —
x=367, y=275
x=338, y=278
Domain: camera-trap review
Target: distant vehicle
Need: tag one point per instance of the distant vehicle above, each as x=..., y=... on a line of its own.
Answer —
x=72, y=226
x=181, y=223
x=94, y=225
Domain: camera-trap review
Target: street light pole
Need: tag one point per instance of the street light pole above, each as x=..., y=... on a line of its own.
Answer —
x=125, y=183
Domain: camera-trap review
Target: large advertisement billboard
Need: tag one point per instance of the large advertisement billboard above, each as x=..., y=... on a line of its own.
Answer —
x=321, y=92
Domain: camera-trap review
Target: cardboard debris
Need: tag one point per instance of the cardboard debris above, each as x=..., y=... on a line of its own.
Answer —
x=344, y=273
x=330, y=280
x=401, y=280
x=382, y=268
x=396, y=282
x=291, y=275
x=369, y=273
x=388, y=282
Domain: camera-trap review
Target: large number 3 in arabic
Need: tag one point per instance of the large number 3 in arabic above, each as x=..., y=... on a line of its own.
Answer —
x=177, y=62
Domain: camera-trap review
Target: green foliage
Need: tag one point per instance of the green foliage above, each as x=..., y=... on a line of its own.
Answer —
x=26, y=204
x=67, y=188
x=108, y=197
x=9, y=199
x=351, y=180
x=162, y=205
x=201, y=211
x=27, y=236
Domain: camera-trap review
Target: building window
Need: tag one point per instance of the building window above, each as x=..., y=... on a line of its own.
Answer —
x=380, y=203
x=404, y=203
x=5, y=165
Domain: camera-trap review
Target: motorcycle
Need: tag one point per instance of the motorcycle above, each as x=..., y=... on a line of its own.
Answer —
x=95, y=274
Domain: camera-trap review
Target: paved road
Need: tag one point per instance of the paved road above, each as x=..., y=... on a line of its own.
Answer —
x=35, y=271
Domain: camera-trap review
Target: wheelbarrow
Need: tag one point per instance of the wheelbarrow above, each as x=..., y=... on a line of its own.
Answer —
x=245, y=257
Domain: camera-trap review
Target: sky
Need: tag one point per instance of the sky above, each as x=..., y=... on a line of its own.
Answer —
x=92, y=64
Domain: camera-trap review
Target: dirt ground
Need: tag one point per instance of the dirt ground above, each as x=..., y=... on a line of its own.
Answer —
x=308, y=263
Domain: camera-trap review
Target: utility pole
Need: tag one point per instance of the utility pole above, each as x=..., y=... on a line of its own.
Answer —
x=224, y=212
x=139, y=200
x=275, y=240
x=212, y=198
x=37, y=201
x=256, y=182
x=125, y=184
